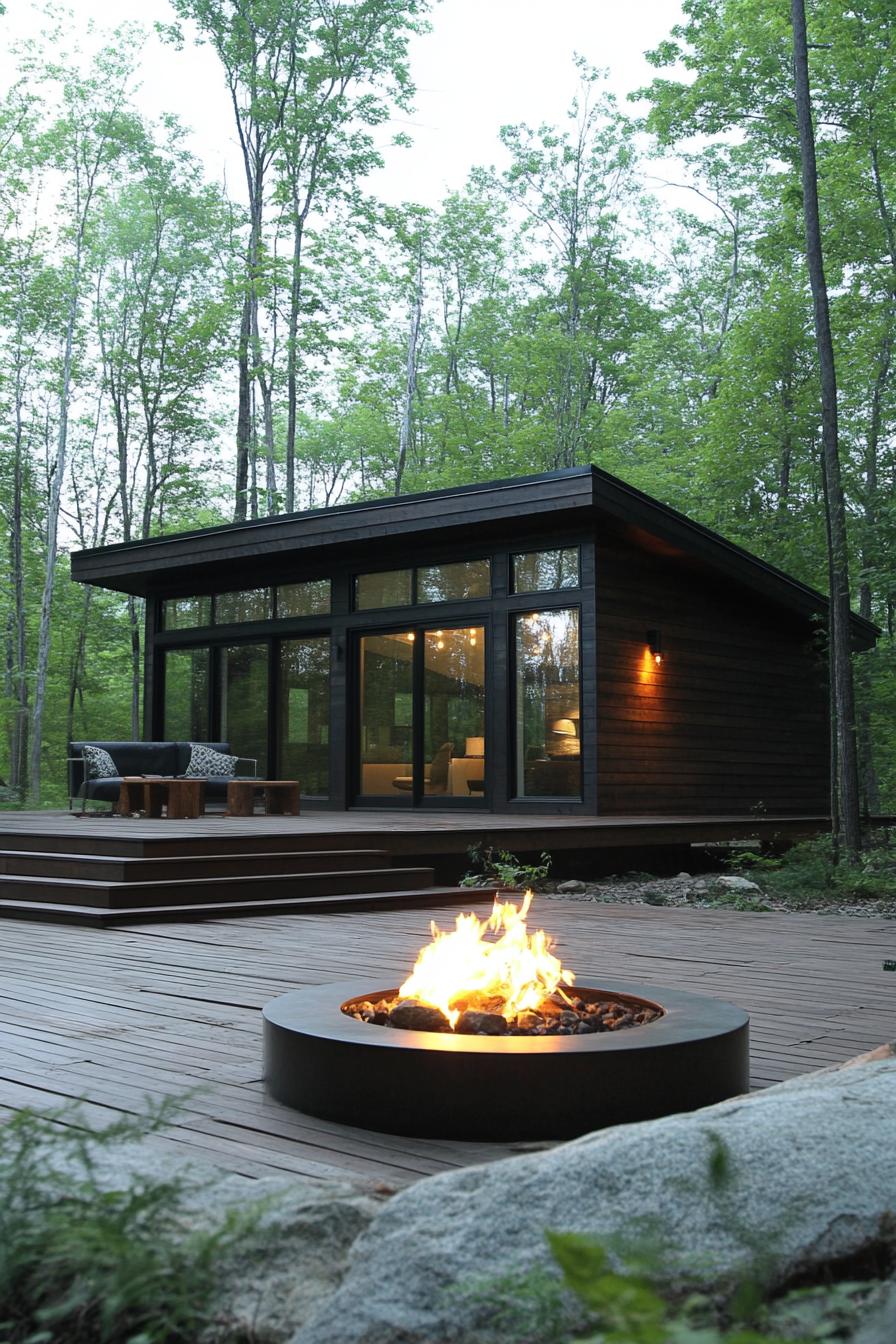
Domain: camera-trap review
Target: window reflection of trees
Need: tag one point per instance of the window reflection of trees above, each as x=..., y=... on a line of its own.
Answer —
x=304, y=718
x=547, y=696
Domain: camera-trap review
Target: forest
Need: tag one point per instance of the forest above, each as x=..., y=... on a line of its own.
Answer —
x=176, y=352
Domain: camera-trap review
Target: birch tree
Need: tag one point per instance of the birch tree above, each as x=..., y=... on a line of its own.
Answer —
x=163, y=324
x=93, y=130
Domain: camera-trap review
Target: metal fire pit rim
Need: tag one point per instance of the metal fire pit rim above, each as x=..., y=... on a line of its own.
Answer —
x=316, y=1011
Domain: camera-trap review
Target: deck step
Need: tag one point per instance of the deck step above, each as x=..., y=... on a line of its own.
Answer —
x=118, y=868
x=125, y=838
x=412, y=899
x=211, y=890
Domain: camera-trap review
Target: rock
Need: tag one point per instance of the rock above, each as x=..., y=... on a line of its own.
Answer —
x=682, y=877
x=795, y=1162
x=418, y=1017
x=472, y=1023
x=572, y=888
x=732, y=883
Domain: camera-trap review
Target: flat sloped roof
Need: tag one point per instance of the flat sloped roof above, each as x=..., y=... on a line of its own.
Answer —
x=212, y=558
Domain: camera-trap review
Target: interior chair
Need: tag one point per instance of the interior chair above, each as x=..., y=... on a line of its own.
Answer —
x=435, y=775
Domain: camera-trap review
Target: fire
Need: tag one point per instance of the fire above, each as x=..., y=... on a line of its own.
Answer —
x=512, y=973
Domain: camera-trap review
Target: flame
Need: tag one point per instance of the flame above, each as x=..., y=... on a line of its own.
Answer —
x=460, y=968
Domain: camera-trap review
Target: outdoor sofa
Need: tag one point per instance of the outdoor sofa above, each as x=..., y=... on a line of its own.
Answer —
x=143, y=758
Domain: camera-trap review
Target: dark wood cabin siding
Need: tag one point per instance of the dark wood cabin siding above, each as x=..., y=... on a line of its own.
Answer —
x=734, y=719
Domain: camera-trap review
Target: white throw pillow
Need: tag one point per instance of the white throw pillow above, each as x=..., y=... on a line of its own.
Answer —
x=98, y=764
x=206, y=763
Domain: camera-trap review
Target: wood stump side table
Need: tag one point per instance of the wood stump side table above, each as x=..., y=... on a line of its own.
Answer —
x=183, y=799
x=281, y=797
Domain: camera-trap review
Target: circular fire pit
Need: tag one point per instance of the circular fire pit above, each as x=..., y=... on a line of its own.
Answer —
x=320, y=1060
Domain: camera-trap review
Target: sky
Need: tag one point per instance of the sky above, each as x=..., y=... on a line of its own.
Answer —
x=484, y=64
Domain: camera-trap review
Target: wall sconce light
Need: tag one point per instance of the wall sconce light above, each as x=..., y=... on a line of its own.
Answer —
x=655, y=645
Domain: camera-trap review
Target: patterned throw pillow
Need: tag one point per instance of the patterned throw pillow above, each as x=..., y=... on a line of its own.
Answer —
x=206, y=763
x=98, y=764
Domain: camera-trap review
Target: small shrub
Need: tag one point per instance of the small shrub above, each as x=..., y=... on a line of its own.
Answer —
x=502, y=867
x=736, y=900
x=807, y=874
x=83, y=1264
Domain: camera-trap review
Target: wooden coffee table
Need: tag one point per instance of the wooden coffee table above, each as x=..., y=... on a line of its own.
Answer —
x=182, y=798
x=281, y=797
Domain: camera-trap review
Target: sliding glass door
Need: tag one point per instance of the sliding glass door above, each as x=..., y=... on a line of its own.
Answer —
x=453, y=710
x=303, y=718
x=421, y=716
x=243, y=698
x=386, y=716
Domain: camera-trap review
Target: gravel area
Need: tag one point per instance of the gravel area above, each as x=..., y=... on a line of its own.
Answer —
x=713, y=890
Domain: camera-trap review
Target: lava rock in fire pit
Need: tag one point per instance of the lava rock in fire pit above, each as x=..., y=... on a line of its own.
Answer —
x=557, y=1015
x=472, y=1023
x=418, y=1017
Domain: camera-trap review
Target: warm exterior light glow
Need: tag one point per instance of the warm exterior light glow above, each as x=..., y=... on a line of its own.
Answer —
x=655, y=645
x=512, y=973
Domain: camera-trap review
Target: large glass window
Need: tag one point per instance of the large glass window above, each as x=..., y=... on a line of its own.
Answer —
x=386, y=714
x=251, y=604
x=185, y=613
x=545, y=571
x=304, y=718
x=454, y=582
x=454, y=712
x=391, y=588
x=303, y=599
x=548, y=725
x=244, y=701
x=186, y=695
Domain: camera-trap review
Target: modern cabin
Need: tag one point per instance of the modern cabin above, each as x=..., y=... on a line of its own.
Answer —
x=554, y=643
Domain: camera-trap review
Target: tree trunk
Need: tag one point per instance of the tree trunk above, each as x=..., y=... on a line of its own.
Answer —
x=404, y=436
x=18, y=747
x=786, y=446
x=295, y=295
x=46, y=605
x=868, y=774
x=243, y=418
x=843, y=691
x=267, y=411
x=76, y=678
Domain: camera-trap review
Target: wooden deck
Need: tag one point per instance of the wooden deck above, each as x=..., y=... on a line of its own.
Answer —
x=99, y=869
x=404, y=832
x=173, y=1010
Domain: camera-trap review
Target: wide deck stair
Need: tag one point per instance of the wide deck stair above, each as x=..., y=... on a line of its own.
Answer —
x=104, y=880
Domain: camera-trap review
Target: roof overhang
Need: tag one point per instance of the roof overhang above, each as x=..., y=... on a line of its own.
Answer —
x=211, y=559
